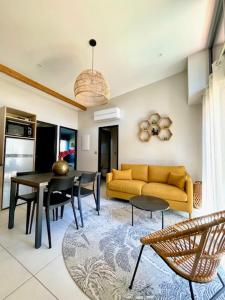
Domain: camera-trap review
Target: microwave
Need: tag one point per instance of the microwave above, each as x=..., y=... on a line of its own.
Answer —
x=20, y=129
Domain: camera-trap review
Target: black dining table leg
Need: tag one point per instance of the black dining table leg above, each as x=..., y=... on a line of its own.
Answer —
x=38, y=227
x=12, y=204
x=98, y=192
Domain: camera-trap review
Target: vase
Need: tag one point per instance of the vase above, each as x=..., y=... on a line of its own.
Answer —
x=60, y=167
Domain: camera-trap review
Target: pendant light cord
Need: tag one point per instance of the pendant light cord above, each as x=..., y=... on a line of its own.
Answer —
x=92, y=43
x=92, y=61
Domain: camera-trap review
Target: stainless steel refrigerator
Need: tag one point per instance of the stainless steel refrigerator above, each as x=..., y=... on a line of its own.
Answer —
x=19, y=157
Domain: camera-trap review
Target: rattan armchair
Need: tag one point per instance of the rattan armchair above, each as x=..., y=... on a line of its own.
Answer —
x=193, y=248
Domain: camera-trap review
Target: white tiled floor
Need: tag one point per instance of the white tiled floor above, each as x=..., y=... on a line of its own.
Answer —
x=29, y=273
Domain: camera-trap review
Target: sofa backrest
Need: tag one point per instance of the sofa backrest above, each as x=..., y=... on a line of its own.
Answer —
x=160, y=173
x=139, y=172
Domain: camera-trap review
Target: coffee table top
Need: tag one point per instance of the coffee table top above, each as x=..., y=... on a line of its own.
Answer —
x=149, y=203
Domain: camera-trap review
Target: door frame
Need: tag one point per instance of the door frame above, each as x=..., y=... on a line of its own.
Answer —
x=55, y=142
x=99, y=145
x=75, y=146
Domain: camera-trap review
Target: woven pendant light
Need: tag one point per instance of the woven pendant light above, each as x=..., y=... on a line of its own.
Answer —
x=90, y=88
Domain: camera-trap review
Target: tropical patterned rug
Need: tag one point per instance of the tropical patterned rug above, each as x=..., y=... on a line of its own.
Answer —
x=101, y=257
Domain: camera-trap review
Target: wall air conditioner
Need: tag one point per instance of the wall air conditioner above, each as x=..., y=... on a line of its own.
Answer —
x=112, y=113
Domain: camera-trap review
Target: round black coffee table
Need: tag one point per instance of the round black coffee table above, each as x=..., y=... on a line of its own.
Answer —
x=149, y=203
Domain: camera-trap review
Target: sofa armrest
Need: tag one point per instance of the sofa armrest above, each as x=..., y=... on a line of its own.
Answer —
x=109, y=177
x=189, y=191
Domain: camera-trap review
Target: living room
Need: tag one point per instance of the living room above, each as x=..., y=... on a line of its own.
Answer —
x=112, y=139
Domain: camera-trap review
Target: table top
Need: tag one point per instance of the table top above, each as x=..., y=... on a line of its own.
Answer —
x=149, y=203
x=42, y=179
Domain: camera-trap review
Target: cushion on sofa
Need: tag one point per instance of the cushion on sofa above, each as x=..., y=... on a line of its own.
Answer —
x=177, y=180
x=122, y=175
x=126, y=186
x=164, y=191
x=139, y=172
x=161, y=173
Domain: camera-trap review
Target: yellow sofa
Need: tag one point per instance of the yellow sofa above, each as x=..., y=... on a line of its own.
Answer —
x=152, y=181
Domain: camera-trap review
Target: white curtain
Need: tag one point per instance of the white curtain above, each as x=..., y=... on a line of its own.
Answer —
x=213, y=181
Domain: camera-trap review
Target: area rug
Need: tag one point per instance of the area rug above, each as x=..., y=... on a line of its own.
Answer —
x=101, y=257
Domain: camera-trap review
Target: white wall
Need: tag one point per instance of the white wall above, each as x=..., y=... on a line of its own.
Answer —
x=48, y=109
x=169, y=97
x=198, y=75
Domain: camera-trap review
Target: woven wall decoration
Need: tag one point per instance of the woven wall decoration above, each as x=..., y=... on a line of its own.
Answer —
x=155, y=125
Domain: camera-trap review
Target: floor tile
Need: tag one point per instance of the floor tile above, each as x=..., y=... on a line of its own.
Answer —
x=56, y=277
x=20, y=213
x=10, y=237
x=35, y=259
x=31, y=289
x=41, y=261
x=12, y=274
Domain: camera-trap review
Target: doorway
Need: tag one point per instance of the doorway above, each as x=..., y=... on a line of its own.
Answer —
x=68, y=146
x=107, y=149
x=46, y=146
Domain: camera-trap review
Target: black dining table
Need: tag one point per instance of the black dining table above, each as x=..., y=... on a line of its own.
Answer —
x=39, y=182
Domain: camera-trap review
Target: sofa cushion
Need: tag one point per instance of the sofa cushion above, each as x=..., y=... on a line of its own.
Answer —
x=164, y=191
x=139, y=172
x=126, y=186
x=122, y=175
x=161, y=173
x=177, y=180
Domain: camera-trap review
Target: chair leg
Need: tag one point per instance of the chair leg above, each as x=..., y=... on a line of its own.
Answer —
x=221, y=280
x=32, y=217
x=53, y=215
x=78, y=204
x=135, y=270
x=28, y=217
x=95, y=199
x=80, y=208
x=74, y=213
x=222, y=290
x=191, y=290
x=62, y=211
x=48, y=227
x=95, y=202
x=57, y=213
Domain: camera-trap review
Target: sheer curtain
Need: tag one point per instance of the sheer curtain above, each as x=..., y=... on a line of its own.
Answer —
x=213, y=182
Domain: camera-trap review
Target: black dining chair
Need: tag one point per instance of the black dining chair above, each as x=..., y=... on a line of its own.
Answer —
x=60, y=192
x=30, y=198
x=81, y=190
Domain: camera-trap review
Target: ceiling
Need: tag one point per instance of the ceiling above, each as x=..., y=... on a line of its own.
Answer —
x=138, y=42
